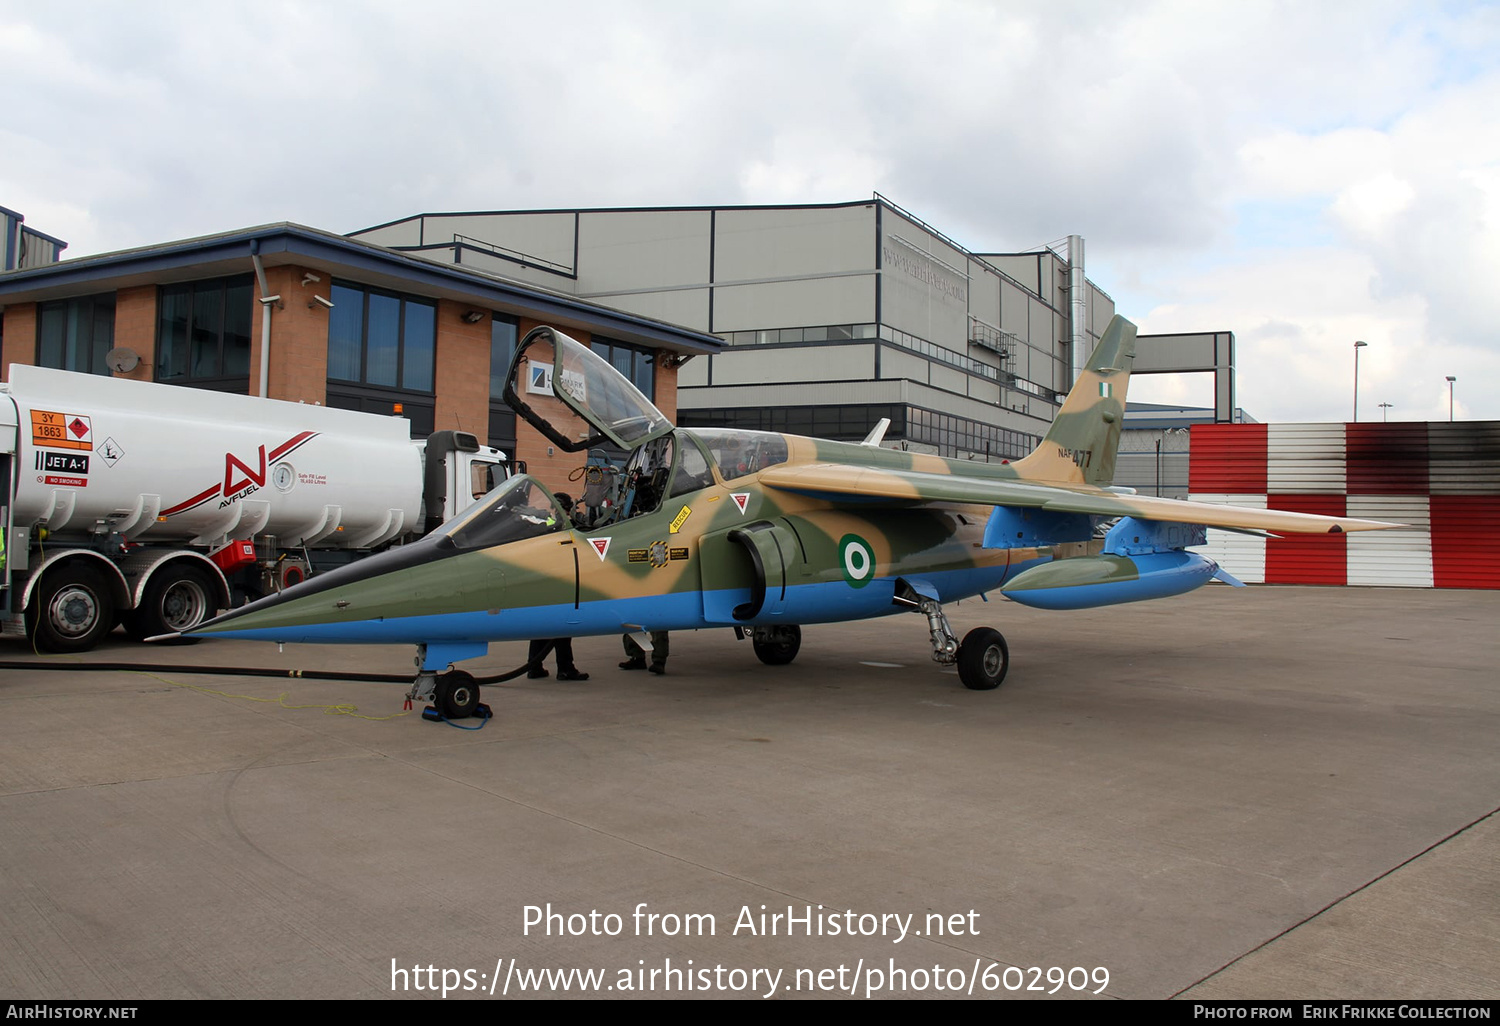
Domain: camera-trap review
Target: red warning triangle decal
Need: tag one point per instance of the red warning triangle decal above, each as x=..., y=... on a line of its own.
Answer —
x=601, y=546
x=740, y=499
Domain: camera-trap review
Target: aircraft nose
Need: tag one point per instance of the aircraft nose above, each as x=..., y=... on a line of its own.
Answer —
x=368, y=589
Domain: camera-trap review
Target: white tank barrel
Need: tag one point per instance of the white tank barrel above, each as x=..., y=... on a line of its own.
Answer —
x=167, y=464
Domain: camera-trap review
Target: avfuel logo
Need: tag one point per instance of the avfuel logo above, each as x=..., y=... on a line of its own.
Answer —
x=857, y=560
x=250, y=479
x=241, y=477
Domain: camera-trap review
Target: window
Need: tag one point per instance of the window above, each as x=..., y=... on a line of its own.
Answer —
x=503, y=333
x=75, y=334
x=381, y=352
x=635, y=363
x=381, y=339
x=203, y=333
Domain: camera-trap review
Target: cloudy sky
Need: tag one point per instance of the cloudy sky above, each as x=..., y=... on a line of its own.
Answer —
x=1303, y=174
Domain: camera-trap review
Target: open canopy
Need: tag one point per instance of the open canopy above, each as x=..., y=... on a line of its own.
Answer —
x=577, y=399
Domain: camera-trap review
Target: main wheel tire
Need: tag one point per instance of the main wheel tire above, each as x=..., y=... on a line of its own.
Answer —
x=776, y=646
x=983, y=659
x=456, y=695
x=178, y=598
x=71, y=609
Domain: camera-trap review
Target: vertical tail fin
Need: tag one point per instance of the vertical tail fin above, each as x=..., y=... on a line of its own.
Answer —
x=1080, y=446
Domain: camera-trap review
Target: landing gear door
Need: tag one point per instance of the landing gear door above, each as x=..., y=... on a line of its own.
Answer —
x=576, y=398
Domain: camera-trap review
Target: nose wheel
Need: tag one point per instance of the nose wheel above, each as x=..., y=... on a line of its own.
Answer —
x=454, y=695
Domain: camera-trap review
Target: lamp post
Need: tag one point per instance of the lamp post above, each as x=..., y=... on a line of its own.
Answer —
x=1451, y=379
x=1383, y=408
x=1357, y=347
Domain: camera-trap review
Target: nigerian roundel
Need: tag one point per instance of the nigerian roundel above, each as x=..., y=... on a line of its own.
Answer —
x=857, y=560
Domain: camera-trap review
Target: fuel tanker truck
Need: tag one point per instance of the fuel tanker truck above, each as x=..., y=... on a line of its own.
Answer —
x=154, y=506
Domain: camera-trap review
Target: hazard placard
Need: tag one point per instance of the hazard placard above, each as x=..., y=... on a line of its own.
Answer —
x=61, y=430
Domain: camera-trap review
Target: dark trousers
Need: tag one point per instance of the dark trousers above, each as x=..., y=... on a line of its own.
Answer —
x=540, y=648
x=659, y=647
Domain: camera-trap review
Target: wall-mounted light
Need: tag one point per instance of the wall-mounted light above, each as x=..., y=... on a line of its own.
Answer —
x=473, y=316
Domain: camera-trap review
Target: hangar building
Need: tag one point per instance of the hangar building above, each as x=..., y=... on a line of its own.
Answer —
x=834, y=315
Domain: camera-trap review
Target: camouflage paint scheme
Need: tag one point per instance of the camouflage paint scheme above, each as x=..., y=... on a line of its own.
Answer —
x=839, y=531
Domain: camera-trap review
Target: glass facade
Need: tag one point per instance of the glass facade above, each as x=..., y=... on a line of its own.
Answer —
x=381, y=339
x=75, y=334
x=637, y=364
x=504, y=333
x=382, y=350
x=203, y=333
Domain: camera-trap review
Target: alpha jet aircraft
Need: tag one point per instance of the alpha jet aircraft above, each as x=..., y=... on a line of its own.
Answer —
x=763, y=532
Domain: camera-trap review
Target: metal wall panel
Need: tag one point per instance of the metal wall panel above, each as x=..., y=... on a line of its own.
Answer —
x=1466, y=542
x=1243, y=555
x=1228, y=458
x=750, y=245
x=1465, y=458
x=949, y=378
x=985, y=391
x=1308, y=558
x=1101, y=310
x=924, y=286
x=1397, y=559
x=547, y=236
x=1387, y=459
x=1041, y=321
x=1023, y=268
x=1013, y=310
x=685, y=307
x=402, y=233
x=984, y=293
x=642, y=249
x=1305, y=459
x=897, y=363
x=795, y=304
x=754, y=365
x=481, y=260
x=694, y=373
x=812, y=393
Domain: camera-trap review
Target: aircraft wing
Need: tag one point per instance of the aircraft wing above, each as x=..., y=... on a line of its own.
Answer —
x=869, y=485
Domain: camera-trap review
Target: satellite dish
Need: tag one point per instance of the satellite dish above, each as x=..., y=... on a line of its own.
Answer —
x=122, y=359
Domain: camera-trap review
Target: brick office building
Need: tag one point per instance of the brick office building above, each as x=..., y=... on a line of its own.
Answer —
x=351, y=325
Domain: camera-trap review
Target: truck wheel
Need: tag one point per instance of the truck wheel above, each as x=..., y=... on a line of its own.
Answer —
x=71, y=610
x=177, y=599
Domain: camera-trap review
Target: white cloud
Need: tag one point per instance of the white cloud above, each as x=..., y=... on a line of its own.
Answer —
x=1332, y=169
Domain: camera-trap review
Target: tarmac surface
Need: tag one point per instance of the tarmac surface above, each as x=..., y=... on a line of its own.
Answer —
x=1241, y=793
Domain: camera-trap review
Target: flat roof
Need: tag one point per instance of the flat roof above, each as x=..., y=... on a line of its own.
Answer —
x=286, y=243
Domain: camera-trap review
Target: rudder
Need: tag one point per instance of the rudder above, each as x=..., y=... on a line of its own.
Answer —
x=1082, y=443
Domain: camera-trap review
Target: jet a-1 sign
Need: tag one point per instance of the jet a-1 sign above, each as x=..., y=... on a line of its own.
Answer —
x=764, y=532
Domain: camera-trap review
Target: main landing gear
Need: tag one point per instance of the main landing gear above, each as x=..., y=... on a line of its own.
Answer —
x=775, y=645
x=982, y=657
